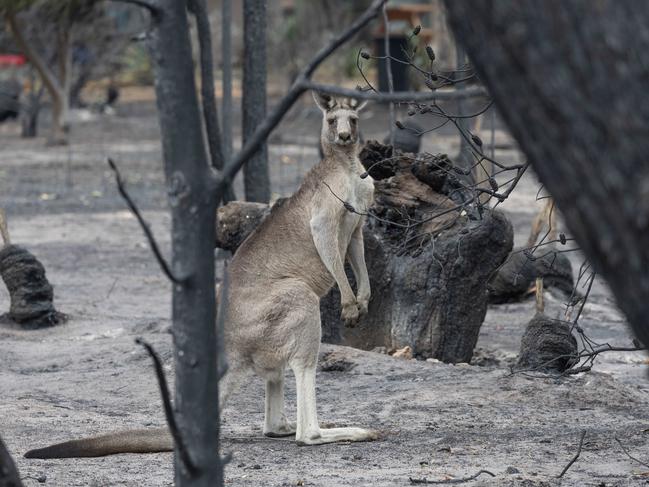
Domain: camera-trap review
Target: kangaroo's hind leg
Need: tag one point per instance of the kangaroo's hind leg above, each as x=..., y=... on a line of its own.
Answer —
x=306, y=332
x=275, y=423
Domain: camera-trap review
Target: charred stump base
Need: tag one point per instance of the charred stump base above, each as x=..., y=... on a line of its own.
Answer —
x=547, y=345
x=31, y=293
x=427, y=259
x=433, y=300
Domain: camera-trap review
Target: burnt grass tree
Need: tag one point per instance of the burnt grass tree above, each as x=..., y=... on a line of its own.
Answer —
x=549, y=66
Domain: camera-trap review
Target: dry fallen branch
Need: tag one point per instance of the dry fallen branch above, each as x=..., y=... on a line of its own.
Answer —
x=145, y=226
x=450, y=481
x=574, y=459
x=184, y=455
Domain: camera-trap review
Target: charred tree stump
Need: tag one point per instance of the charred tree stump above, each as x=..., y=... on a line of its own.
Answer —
x=547, y=345
x=428, y=262
x=31, y=293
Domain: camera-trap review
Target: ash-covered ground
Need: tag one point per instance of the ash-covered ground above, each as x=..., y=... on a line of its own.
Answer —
x=439, y=421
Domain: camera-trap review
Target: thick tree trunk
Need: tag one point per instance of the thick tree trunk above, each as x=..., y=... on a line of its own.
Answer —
x=193, y=203
x=9, y=476
x=570, y=78
x=255, y=172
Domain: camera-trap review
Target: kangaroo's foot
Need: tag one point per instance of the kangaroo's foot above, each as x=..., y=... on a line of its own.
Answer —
x=280, y=429
x=332, y=435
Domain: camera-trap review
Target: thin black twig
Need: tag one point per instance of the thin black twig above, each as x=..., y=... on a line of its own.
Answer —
x=574, y=459
x=626, y=452
x=184, y=455
x=450, y=481
x=145, y=226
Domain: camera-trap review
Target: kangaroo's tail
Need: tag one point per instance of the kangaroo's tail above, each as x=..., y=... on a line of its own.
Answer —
x=132, y=441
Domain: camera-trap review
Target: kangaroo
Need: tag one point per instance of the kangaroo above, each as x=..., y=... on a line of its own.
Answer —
x=275, y=282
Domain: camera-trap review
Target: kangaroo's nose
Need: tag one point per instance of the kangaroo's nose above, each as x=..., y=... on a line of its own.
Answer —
x=344, y=135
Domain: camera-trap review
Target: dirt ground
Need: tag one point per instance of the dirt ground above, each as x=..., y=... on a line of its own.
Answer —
x=438, y=421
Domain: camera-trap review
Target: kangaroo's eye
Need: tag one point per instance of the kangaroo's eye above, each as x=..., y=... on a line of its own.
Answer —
x=353, y=121
x=331, y=121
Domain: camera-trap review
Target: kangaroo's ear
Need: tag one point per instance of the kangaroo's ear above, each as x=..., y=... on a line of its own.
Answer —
x=323, y=100
x=357, y=105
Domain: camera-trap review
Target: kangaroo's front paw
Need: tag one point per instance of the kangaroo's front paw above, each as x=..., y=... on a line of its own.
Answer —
x=350, y=313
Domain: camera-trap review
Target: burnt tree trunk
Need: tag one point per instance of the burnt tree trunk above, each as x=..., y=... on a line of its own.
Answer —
x=569, y=78
x=192, y=197
x=9, y=476
x=253, y=103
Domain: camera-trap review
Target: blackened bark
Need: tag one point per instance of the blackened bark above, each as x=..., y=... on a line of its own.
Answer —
x=9, y=476
x=193, y=204
x=253, y=103
x=569, y=78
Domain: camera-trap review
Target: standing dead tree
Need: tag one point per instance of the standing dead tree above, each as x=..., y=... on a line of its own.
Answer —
x=253, y=102
x=549, y=66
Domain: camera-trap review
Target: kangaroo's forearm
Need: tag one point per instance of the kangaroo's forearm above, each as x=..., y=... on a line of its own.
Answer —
x=356, y=258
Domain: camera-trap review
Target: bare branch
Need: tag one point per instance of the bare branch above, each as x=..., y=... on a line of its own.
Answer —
x=399, y=96
x=574, y=459
x=169, y=413
x=145, y=226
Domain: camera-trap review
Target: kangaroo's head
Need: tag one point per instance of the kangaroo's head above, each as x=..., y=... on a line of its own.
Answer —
x=339, y=121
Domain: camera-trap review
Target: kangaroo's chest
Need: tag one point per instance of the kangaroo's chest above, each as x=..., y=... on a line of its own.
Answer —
x=360, y=196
